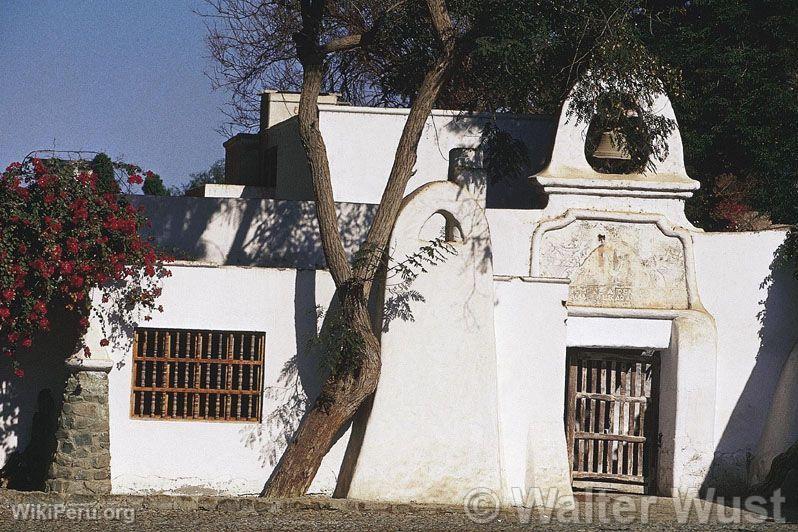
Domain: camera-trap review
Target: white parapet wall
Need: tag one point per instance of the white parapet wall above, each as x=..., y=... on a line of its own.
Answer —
x=433, y=431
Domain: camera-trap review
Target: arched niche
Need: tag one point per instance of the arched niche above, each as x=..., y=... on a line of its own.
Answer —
x=442, y=225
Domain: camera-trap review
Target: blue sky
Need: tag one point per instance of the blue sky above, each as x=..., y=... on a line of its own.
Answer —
x=121, y=76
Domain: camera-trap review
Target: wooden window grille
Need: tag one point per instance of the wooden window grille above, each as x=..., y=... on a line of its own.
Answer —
x=197, y=375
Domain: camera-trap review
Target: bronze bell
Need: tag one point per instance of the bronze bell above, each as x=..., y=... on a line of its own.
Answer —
x=607, y=149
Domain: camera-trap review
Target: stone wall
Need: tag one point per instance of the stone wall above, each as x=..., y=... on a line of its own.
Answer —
x=82, y=462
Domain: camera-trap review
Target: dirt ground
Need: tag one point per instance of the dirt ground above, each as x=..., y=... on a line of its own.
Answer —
x=592, y=512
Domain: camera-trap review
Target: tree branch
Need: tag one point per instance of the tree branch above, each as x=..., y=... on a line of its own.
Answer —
x=442, y=23
x=313, y=142
x=406, y=152
x=343, y=44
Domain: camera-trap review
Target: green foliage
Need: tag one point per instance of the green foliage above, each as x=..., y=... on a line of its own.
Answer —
x=153, y=185
x=63, y=238
x=214, y=174
x=504, y=156
x=738, y=103
x=729, y=66
x=103, y=168
x=527, y=55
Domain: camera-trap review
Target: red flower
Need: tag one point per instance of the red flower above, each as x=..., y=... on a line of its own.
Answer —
x=87, y=351
x=72, y=245
x=9, y=294
x=4, y=313
x=135, y=179
x=40, y=307
x=104, y=342
x=19, y=372
x=84, y=322
x=53, y=224
x=44, y=323
x=38, y=167
x=27, y=342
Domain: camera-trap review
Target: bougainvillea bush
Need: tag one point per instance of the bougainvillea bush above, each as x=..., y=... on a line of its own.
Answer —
x=62, y=236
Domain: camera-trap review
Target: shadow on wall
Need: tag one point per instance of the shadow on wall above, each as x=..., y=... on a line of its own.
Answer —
x=301, y=378
x=268, y=233
x=512, y=151
x=29, y=406
x=248, y=232
x=779, y=326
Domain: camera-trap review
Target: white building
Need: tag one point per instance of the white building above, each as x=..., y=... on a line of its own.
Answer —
x=583, y=336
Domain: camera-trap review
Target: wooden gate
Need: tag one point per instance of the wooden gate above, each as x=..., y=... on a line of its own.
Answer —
x=611, y=418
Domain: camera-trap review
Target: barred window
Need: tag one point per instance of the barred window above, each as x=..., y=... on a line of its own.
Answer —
x=197, y=375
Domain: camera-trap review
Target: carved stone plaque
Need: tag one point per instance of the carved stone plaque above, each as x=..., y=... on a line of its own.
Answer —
x=617, y=264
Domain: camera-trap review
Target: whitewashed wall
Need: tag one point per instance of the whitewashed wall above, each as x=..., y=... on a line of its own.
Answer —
x=248, y=231
x=361, y=144
x=221, y=457
x=781, y=428
x=756, y=323
x=757, y=326
x=530, y=350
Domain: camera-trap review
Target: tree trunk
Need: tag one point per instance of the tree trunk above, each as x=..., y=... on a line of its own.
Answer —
x=352, y=382
x=337, y=404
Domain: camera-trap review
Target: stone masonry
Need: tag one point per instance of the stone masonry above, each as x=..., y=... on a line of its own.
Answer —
x=82, y=461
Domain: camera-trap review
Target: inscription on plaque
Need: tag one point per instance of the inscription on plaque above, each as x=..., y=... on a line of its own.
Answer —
x=617, y=264
x=604, y=293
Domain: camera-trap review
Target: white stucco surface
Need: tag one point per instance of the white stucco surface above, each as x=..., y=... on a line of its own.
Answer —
x=432, y=435
x=248, y=231
x=757, y=324
x=781, y=427
x=530, y=349
x=360, y=169
x=687, y=404
x=223, y=457
x=618, y=332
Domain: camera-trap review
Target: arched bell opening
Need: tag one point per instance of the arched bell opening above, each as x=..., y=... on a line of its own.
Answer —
x=618, y=138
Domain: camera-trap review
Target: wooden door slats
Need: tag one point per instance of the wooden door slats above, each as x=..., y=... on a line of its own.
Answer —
x=611, y=414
